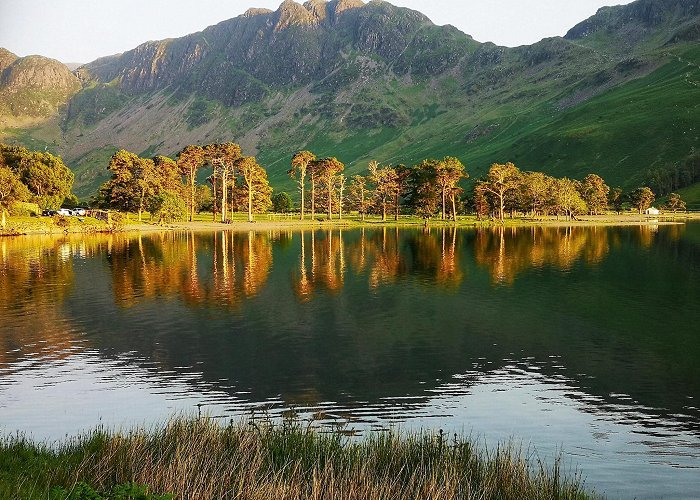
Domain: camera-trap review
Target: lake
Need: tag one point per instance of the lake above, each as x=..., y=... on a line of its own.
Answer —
x=580, y=341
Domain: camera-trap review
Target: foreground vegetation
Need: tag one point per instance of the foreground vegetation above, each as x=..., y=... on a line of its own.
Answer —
x=198, y=458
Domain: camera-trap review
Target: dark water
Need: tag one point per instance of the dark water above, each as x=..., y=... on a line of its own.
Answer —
x=580, y=340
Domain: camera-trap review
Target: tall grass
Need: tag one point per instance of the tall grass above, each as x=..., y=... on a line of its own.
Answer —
x=201, y=459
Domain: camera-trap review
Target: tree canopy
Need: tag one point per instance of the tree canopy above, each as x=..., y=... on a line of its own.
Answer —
x=47, y=178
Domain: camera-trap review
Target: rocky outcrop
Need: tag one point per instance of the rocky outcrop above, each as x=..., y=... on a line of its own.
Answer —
x=628, y=25
x=6, y=58
x=38, y=73
x=34, y=86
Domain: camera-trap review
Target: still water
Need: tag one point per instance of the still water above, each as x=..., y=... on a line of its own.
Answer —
x=580, y=341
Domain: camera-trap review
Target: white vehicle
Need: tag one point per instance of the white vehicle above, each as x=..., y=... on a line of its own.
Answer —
x=79, y=212
x=65, y=211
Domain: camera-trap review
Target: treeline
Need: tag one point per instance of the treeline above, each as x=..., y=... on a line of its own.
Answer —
x=665, y=180
x=168, y=188
x=506, y=189
x=432, y=188
x=34, y=177
x=421, y=189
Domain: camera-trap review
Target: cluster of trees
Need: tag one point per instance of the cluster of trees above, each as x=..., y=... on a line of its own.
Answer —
x=432, y=187
x=169, y=190
x=32, y=176
x=506, y=189
x=425, y=188
x=664, y=180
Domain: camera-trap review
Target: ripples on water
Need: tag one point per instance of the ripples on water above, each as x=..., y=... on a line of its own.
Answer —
x=582, y=340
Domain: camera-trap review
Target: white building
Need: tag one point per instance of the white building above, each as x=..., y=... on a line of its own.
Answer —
x=652, y=211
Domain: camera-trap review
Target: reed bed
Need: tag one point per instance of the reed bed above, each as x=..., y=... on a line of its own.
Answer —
x=198, y=458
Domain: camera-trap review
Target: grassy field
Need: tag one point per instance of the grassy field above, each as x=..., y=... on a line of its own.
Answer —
x=198, y=458
x=56, y=224
x=264, y=222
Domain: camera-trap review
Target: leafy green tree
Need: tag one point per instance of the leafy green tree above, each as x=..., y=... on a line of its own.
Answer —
x=281, y=203
x=11, y=190
x=222, y=158
x=359, y=195
x=535, y=191
x=134, y=181
x=594, y=192
x=385, y=182
x=49, y=180
x=256, y=188
x=568, y=199
x=167, y=174
x=675, y=203
x=168, y=206
x=422, y=194
x=121, y=190
x=189, y=160
x=448, y=172
x=502, y=180
x=401, y=185
x=482, y=206
x=300, y=165
x=328, y=169
x=616, y=199
x=203, y=198
x=642, y=198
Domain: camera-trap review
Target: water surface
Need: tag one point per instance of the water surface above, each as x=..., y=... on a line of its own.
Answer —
x=584, y=340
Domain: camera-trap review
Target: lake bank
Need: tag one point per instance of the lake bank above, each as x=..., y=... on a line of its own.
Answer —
x=47, y=225
x=198, y=458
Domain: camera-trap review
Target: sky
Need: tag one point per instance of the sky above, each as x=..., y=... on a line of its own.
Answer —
x=80, y=31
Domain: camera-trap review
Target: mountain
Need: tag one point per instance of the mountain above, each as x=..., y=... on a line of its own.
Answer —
x=33, y=88
x=617, y=95
x=641, y=25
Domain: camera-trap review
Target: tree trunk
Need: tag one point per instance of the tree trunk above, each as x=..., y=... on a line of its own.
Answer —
x=396, y=205
x=301, y=181
x=444, y=215
x=224, y=196
x=3, y=222
x=250, y=202
x=232, y=205
x=383, y=211
x=143, y=195
x=313, y=198
x=501, y=213
x=330, y=200
x=340, y=202
x=454, y=209
x=214, y=207
x=192, y=179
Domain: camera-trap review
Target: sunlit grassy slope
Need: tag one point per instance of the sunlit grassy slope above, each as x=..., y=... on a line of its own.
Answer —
x=648, y=122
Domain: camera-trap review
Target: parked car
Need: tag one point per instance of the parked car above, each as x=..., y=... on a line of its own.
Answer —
x=81, y=212
x=48, y=212
x=65, y=211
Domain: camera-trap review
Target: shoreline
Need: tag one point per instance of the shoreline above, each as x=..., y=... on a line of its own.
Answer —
x=188, y=457
x=38, y=226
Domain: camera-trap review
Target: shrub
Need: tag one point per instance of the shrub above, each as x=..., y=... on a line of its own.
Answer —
x=169, y=207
